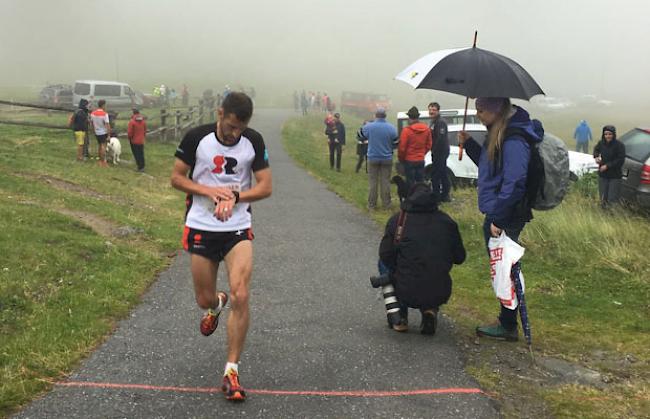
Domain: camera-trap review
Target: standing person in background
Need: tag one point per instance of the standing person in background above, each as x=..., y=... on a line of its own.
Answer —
x=102, y=128
x=340, y=139
x=332, y=141
x=502, y=163
x=582, y=135
x=185, y=95
x=439, y=154
x=610, y=156
x=137, y=132
x=79, y=125
x=362, y=149
x=382, y=139
x=304, y=103
x=296, y=101
x=414, y=143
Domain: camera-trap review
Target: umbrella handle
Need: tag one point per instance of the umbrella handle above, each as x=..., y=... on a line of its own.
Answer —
x=460, y=146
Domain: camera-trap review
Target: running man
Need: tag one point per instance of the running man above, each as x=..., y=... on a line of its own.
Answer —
x=214, y=166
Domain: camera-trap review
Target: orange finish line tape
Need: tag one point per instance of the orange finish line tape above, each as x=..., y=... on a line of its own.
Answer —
x=358, y=393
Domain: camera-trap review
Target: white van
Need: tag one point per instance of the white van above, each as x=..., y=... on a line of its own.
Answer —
x=115, y=94
x=459, y=171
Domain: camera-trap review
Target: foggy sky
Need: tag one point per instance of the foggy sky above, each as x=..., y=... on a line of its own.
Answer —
x=570, y=47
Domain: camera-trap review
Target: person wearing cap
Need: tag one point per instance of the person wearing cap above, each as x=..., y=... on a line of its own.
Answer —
x=382, y=139
x=137, y=132
x=610, y=156
x=414, y=143
x=502, y=163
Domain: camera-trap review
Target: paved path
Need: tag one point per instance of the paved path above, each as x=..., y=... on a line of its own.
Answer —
x=318, y=330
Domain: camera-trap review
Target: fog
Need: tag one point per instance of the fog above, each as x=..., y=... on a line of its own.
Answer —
x=572, y=48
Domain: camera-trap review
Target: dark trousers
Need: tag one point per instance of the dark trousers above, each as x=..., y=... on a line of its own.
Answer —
x=138, y=155
x=582, y=147
x=360, y=161
x=335, y=151
x=440, y=183
x=414, y=172
x=507, y=317
x=609, y=191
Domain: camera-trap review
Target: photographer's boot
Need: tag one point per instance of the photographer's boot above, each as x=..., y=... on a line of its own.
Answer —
x=429, y=322
x=402, y=325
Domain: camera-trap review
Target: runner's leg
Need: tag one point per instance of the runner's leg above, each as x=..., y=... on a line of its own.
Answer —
x=204, y=274
x=239, y=262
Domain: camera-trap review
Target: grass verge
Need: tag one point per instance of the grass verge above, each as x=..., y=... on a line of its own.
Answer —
x=80, y=244
x=588, y=287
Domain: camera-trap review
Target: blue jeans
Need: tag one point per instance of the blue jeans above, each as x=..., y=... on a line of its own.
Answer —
x=507, y=317
x=584, y=147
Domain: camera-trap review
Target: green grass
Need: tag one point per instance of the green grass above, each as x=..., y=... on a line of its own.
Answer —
x=62, y=284
x=587, y=276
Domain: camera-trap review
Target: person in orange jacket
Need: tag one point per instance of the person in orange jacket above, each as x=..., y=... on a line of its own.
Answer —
x=414, y=143
x=137, y=132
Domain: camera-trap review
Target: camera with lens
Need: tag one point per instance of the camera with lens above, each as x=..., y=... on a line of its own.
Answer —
x=385, y=282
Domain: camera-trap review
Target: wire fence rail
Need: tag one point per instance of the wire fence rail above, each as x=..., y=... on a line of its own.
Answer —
x=174, y=122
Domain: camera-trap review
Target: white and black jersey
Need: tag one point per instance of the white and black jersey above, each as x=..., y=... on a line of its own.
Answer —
x=214, y=163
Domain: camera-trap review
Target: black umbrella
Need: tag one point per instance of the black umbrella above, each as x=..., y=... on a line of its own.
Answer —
x=471, y=72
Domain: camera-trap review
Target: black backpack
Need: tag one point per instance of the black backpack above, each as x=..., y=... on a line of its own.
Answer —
x=547, y=180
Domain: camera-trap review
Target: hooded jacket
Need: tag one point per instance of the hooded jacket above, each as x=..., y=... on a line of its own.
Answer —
x=612, y=155
x=414, y=142
x=502, y=183
x=80, y=117
x=582, y=134
x=137, y=129
x=420, y=263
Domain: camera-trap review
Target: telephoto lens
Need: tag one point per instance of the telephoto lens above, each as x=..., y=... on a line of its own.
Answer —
x=390, y=298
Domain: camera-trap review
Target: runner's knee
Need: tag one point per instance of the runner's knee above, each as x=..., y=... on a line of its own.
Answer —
x=238, y=298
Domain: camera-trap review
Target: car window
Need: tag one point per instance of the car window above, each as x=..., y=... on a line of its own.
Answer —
x=637, y=144
x=81, y=88
x=108, y=90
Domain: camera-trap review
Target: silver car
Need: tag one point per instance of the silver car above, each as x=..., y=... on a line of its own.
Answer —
x=636, y=169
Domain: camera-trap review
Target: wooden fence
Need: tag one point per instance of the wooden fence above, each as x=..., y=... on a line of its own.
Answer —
x=174, y=122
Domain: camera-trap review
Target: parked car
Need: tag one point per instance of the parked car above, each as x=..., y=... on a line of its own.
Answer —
x=465, y=171
x=635, y=187
x=57, y=95
x=116, y=94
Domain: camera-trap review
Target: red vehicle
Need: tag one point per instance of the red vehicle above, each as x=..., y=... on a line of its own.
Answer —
x=363, y=104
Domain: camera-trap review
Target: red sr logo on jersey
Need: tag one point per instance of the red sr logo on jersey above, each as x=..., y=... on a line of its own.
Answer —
x=223, y=163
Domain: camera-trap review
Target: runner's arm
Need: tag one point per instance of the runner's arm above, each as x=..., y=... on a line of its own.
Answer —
x=180, y=181
x=262, y=189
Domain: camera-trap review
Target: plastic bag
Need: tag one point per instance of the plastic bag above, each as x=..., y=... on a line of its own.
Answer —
x=504, y=253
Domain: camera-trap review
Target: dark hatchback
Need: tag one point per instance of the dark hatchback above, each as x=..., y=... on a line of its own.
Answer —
x=636, y=169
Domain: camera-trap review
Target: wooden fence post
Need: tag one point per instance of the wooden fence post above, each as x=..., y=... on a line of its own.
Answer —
x=177, y=125
x=163, y=122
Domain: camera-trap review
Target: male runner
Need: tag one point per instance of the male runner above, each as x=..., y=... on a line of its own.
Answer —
x=214, y=166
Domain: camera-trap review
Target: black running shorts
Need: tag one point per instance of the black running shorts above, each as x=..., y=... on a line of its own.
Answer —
x=102, y=139
x=213, y=245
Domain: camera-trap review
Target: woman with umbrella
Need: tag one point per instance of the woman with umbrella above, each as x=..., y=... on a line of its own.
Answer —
x=502, y=171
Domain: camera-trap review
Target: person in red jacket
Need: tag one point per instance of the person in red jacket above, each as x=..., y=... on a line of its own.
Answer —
x=414, y=143
x=137, y=131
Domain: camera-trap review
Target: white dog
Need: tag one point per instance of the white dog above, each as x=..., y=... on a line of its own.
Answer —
x=114, y=149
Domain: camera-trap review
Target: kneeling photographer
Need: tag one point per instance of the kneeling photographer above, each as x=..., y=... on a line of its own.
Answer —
x=419, y=248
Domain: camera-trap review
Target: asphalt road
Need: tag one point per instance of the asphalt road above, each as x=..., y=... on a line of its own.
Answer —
x=318, y=346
